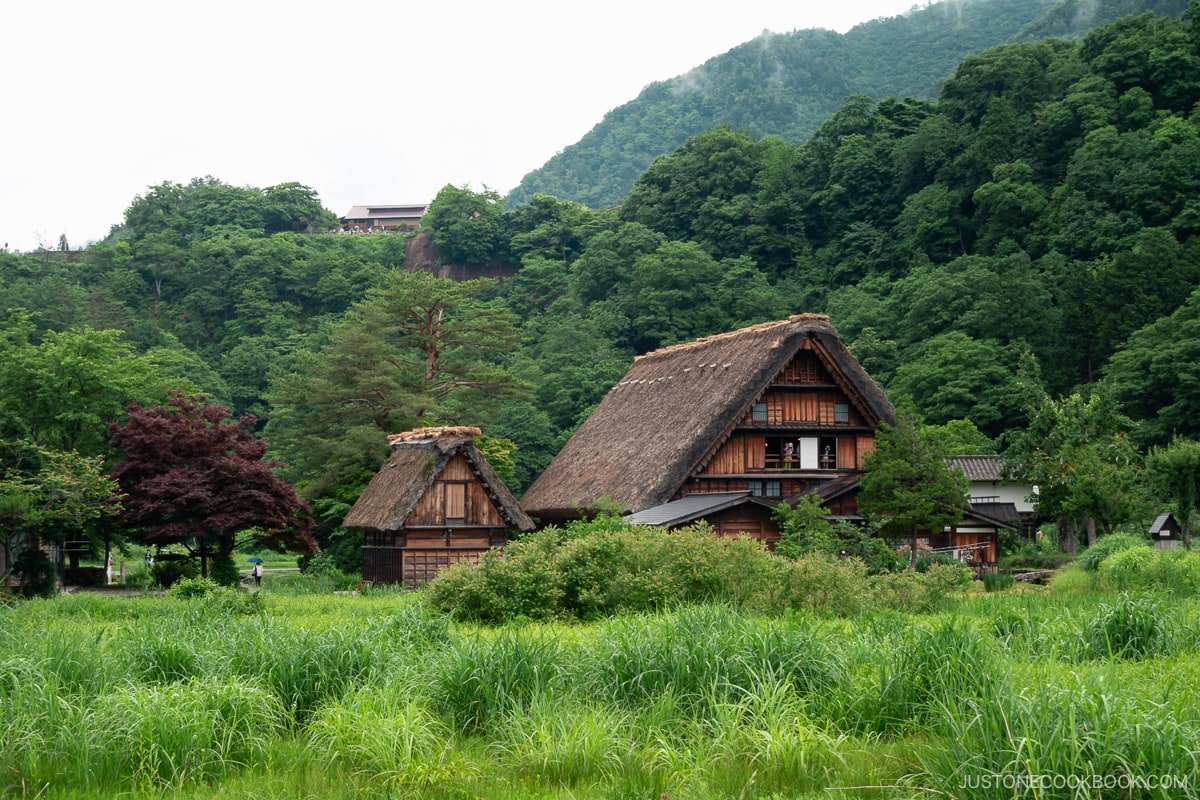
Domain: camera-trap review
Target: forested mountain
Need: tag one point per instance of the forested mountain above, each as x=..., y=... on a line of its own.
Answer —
x=1034, y=232
x=787, y=84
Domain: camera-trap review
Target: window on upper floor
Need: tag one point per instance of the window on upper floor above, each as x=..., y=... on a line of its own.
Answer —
x=841, y=412
x=759, y=412
x=456, y=502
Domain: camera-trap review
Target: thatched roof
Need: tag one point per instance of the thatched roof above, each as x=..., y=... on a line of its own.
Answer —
x=417, y=458
x=675, y=408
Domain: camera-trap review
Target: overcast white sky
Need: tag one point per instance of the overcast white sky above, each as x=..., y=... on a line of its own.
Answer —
x=370, y=103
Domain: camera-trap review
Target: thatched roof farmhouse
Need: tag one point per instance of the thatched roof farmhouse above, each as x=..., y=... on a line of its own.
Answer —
x=764, y=412
x=435, y=501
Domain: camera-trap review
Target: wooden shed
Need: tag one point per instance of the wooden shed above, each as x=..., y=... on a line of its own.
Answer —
x=1165, y=532
x=435, y=502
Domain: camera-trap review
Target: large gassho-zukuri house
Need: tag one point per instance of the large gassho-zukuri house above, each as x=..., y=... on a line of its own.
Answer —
x=435, y=502
x=722, y=429
x=725, y=428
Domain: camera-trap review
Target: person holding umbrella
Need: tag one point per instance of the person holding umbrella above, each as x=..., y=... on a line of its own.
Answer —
x=257, y=571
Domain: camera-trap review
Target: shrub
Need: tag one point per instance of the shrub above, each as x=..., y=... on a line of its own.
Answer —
x=919, y=592
x=1177, y=571
x=826, y=585
x=186, y=588
x=1105, y=546
x=1130, y=627
x=997, y=581
x=169, y=569
x=926, y=560
x=223, y=571
x=1129, y=568
x=38, y=578
x=140, y=577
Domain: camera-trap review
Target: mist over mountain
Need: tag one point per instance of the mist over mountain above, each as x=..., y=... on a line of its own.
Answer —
x=788, y=84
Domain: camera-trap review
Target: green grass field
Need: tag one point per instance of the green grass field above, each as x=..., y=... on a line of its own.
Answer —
x=1064, y=692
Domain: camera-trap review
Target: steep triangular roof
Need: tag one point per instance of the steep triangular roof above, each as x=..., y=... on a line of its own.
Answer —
x=676, y=406
x=417, y=458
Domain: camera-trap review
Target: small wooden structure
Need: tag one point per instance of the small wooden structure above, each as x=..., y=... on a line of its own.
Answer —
x=435, y=502
x=729, y=425
x=1166, y=532
x=975, y=540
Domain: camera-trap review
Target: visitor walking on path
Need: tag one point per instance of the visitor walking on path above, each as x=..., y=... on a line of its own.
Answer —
x=257, y=573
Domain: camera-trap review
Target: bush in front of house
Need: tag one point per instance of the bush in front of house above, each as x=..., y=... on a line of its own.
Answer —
x=598, y=569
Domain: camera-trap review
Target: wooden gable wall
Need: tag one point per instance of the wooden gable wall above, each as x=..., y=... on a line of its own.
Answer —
x=457, y=497
x=801, y=401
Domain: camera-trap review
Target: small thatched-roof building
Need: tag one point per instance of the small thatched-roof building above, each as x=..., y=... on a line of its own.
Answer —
x=435, y=501
x=765, y=412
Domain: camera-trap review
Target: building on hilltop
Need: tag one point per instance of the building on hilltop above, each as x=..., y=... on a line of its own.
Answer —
x=389, y=218
x=435, y=502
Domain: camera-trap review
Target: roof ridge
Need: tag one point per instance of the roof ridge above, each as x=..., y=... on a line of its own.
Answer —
x=761, y=326
x=418, y=434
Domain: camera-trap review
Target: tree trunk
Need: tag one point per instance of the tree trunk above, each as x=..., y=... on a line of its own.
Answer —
x=1068, y=536
x=1091, y=530
x=912, y=550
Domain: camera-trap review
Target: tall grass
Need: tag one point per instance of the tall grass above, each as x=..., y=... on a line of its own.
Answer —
x=147, y=736
x=378, y=696
x=1045, y=740
x=479, y=679
x=387, y=735
x=697, y=654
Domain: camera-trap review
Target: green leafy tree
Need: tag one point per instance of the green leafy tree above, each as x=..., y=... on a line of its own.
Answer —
x=1078, y=452
x=674, y=296
x=909, y=487
x=464, y=224
x=960, y=437
x=1174, y=471
x=49, y=496
x=62, y=392
x=803, y=528
x=953, y=376
x=1156, y=375
x=421, y=350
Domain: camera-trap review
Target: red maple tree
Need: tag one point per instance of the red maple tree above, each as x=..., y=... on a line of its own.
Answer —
x=194, y=476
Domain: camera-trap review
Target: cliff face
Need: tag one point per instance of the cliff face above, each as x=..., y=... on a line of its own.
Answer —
x=420, y=255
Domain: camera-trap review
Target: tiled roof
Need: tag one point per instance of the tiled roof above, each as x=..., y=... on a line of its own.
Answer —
x=980, y=468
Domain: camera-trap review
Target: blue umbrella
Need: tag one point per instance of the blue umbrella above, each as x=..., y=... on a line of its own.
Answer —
x=254, y=560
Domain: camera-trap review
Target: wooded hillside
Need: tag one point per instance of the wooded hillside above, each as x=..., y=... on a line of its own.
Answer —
x=1033, y=230
x=787, y=84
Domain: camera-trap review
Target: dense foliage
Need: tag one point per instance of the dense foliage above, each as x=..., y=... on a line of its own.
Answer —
x=1015, y=255
x=788, y=84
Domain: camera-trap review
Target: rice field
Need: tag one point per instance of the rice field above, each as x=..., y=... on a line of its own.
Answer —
x=1062, y=693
